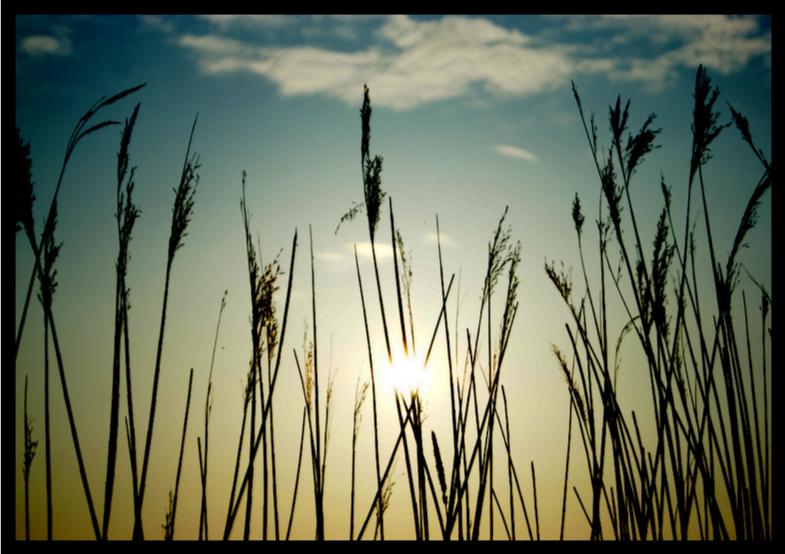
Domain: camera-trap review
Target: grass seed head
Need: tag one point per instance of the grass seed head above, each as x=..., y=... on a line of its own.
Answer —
x=23, y=187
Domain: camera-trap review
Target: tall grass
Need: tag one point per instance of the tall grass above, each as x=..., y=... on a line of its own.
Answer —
x=171, y=513
x=181, y=217
x=705, y=472
x=708, y=443
x=208, y=406
x=27, y=462
x=126, y=215
x=24, y=196
x=261, y=295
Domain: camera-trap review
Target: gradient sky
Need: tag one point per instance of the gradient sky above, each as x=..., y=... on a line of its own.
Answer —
x=471, y=114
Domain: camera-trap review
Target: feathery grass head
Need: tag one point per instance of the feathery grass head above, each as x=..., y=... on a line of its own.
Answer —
x=50, y=250
x=560, y=279
x=127, y=211
x=641, y=144
x=125, y=141
x=30, y=444
x=576, y=397
x=184, y=198
x=439, y=467
x=663, y=254
x=406, y=262
x=360, y=394
x=666, y=192
x=511, y=301
x=765, y=301
x=704, y=120
x=374, y=195
x=251, y=378
x=372, y=170
x=618, y=120
x=183, y=205
x=743, y=125
x=612, y=192
x=309, y=368
x=168, y=525
x=748, y=220
x=23, y=187
x=365, y=117
x=263, y=287
x=499, y=251
x=577, y=215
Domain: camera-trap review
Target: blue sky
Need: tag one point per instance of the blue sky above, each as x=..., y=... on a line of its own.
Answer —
x=471, y=114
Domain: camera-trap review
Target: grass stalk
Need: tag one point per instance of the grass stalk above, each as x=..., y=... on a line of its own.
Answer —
x=47, y=437
x=234, y=503
x=169, y=532
x=181, y=214
x=203, y=527
x=296, y=477
x=80, y=131
x=126, y=216
x=359, y=397
x=380, y=516
x=318, y=485
x=27, y=462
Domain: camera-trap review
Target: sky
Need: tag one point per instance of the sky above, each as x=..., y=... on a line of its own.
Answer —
x=471, y=114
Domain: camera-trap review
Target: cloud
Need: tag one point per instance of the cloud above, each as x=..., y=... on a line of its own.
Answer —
x=721, y=43
x=515, y=152
x=45, y=45
x=331, y=257
x=156, y=23
x=416, y=62
x=446, y=240
x=383, y=251
x=256, y=20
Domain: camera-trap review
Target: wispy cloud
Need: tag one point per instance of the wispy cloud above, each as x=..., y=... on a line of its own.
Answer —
x=515, y=152
x=156, y=23
x=383, y=251
x=331, y=257
x=45, y=45
x=721, y=43
x=256, y=20
x=432, y=238
x=415, y=62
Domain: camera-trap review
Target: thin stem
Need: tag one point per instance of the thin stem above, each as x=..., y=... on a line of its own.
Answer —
x=297, y=477
x=180, y=458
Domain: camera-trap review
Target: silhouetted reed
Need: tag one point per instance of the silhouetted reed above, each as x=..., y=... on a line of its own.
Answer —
x=126, y=215
x=27, y=462
x=208, y=406
x=181, y=216
x=708, y=443
x=171, y=513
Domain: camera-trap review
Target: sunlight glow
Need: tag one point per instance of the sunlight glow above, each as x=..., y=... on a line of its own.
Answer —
x=406, y=374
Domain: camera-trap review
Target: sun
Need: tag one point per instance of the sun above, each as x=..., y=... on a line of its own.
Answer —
x=406, y=373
